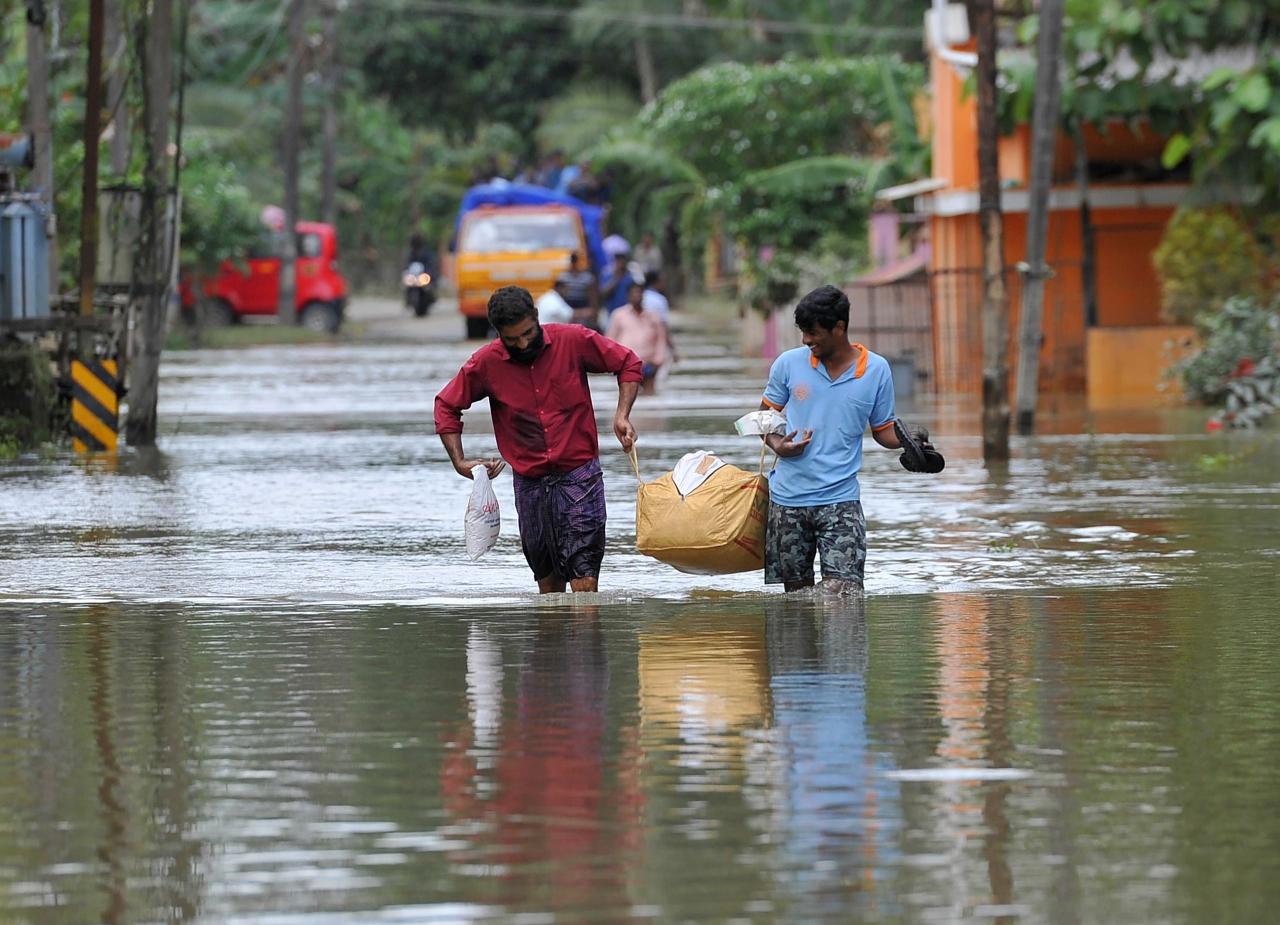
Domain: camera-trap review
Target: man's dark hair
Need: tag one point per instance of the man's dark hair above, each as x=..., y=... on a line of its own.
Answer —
x=574, y=259
x=822, y=308
x=509, y=305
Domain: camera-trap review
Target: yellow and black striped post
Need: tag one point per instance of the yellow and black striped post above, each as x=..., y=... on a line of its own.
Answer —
x=95, y=411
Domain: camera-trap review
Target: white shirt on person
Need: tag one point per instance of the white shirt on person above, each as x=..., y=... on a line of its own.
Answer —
x=553, y=309
x=656, y=302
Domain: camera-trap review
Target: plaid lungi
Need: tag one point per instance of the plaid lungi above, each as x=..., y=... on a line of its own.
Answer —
x=562, y=520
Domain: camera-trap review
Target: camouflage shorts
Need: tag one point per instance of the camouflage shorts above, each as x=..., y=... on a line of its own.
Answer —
x=795, y=534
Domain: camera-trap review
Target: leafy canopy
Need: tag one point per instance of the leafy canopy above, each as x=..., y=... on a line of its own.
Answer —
x=784, y=158
x=1153, y=60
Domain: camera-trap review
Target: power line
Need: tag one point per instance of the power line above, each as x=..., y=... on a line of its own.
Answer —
x=661, y=20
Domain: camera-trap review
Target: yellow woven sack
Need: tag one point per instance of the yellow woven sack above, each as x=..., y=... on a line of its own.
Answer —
x=715, y=530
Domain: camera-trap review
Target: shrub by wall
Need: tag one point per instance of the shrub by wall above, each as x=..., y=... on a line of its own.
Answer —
x=1206, y=257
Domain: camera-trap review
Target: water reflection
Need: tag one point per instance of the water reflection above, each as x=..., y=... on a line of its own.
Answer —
x=540, y=777
x=840, y=813
x=113, y=812
x=738, y=757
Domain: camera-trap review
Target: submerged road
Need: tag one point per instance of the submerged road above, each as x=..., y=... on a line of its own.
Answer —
x=311, y=473
x=253, y=677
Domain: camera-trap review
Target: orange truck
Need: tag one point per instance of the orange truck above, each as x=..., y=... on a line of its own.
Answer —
x=517, y=235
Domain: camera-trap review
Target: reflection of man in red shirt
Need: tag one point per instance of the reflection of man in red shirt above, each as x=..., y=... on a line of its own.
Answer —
x=536, y=381
x=559, y=793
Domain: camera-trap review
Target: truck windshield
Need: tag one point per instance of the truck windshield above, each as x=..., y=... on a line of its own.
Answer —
x=486, y=234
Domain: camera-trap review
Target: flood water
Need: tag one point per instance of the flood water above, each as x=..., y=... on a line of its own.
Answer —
x=254, y=678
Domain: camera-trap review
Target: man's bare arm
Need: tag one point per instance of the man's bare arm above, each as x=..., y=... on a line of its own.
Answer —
x=622, y=429
x=887, y=437
x=462, y=465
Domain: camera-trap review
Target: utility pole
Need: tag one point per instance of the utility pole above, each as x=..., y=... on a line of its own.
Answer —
x=329, y=119
x=117, y=87
x=156, y=261
x=92, y=135
x=38, y=126
x=291, y=145
x=644, y=66
x=1044, y=135
x=995, y=298
x=1089, y=257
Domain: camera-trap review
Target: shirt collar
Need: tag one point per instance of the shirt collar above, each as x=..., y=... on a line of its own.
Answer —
x=859, y=362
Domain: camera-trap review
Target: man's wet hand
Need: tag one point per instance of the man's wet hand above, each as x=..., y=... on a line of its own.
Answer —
x=625, y=433
x=789, y=445
x=493, y=466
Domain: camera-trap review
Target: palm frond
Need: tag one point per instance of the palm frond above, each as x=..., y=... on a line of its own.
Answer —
x=586, y=113
x=810, y=173
x=643, y=158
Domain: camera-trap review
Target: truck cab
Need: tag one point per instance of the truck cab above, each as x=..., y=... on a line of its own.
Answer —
x=512, y=245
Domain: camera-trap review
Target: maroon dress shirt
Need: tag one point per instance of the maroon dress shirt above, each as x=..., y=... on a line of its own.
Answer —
x=542, y=414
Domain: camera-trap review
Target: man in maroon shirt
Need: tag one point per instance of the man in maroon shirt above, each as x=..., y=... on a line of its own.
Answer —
x=535, y=378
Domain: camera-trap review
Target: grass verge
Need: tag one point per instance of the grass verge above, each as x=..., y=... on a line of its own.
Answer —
x=242, y=335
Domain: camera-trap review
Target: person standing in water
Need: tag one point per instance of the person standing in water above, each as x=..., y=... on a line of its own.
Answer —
x=535, y=377
x=831, y=391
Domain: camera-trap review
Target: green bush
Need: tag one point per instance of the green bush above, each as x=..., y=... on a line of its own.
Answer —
x=1206, y=257
x=778, y=156
x=1236, y=369
x=731, y=119
x=219, y=219
x=27, y=397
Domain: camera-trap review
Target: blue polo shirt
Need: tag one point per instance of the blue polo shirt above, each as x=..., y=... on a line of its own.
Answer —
x=837, y=412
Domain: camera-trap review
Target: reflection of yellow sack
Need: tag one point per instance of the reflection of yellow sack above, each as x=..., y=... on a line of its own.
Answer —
x=715, y=530
x=698, y=683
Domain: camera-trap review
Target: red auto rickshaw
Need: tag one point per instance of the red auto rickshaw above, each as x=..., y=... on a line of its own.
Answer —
x=252, y=287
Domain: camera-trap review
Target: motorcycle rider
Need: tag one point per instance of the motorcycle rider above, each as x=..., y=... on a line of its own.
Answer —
x=421, y=252
x=418, y=297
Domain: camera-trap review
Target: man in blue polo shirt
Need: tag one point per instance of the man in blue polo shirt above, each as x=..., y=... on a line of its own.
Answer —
x=831, y=391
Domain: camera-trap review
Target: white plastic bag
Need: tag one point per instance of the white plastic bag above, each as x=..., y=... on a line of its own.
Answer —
x=761, y=423
x=693, y=469
x=483, y=520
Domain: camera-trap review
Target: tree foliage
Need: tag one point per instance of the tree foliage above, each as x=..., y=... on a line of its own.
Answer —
x=1152, y=61
x=1238, y=365
x=733, y=118
x=456, y=74
x=784, y=157
x=1207, y=256
x=218, y=213
x=586, y=112
x=428, y=98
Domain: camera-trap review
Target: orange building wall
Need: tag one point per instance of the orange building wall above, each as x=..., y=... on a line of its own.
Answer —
x=954, y=116
x=1128, y=291
x=1127, y=288
x=955, y=127
x=1127, y=366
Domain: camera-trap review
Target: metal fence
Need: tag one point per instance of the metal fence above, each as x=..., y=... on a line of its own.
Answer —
x=896, y=321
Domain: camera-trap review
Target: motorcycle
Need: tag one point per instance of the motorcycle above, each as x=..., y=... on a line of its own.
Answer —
x=419, y=289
